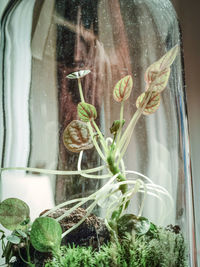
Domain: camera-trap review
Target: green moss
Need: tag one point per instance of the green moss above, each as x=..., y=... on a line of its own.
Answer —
x=166, y=250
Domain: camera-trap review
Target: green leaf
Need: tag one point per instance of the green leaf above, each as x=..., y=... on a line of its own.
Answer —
x=115, y=126
x=46, y=234
x=13, y=212
x=157, y=74
x=76, y=136
x=21, y=233
x=86, y=112
x=123, y=88
x=13, y=239
x=130, y=222
x=78, y=74
x=153, y=103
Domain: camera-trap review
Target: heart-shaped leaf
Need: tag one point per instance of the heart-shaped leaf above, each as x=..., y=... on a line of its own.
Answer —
x=153, y=102
x=122, y=89
x=46, y=234
x=78, y=74
x=13, y=213
x=86, y=112
x=76, y=136
x=157, y=74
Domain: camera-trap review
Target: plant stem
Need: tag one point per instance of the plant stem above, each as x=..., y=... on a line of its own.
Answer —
x=56, y=172
x=124, y=142
x=115, y=170
x=28, y=253
x=80, y=90
x=102, y=140
x=90, y=127
x=95, y=142
x=120, y=126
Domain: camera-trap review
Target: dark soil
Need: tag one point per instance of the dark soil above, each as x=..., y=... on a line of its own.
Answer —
x=92, y=232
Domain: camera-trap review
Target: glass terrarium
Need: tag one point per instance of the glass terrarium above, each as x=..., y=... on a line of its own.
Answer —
x=94, y=138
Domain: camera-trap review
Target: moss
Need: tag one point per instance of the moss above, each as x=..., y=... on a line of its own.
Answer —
x=166, y=250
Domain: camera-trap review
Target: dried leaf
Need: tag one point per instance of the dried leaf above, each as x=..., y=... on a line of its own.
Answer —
x=78, y=74
x=76, y=136
x=86, y=112
x=123, y=89
x=153, y=103
x=157, y=74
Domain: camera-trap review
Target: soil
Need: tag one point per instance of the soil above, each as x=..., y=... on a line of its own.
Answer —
x=92, y=232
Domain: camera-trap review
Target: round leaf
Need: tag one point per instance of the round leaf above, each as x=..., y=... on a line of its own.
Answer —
x=86, y=112
x=13, y=213
x=46, y=234
x=76, y=136
x=13, y=239
x=153, y=103
x=130, y=222
x=78, y=74
x=123, y=89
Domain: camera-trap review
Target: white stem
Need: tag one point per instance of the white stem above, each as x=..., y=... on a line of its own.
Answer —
x=95, y=142
x=102, y=140
x=139, y=174
x=102, y=176
x=56, y=172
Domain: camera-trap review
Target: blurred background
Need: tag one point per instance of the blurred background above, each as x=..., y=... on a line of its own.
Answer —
x=188, y=16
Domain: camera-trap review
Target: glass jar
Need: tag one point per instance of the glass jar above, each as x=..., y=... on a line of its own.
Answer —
x=42, y=42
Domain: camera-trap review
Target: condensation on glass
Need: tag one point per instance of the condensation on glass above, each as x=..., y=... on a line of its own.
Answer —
x=42, y=42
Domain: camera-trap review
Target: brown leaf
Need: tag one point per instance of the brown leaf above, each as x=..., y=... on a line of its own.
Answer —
x=76, y=136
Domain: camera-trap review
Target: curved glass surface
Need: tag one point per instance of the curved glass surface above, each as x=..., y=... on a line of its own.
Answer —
x=44, y=41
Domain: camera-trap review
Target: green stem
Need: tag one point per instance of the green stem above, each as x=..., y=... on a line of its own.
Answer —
x=115, y=170
x=95, y=142
x=28, y=252
x=124, y=142
x=80, y=90
x=90, y=126
x=120, y=126
x=102, y=140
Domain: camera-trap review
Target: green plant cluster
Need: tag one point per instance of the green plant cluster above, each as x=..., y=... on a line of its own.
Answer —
x=166, y=250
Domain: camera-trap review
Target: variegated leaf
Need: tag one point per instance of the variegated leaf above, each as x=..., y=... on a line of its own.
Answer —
x=78, y=74
x=123, y=89
x=86, y=112
x=153, y=102
x=158, y=73
x=159, y=80
x=76, y=136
